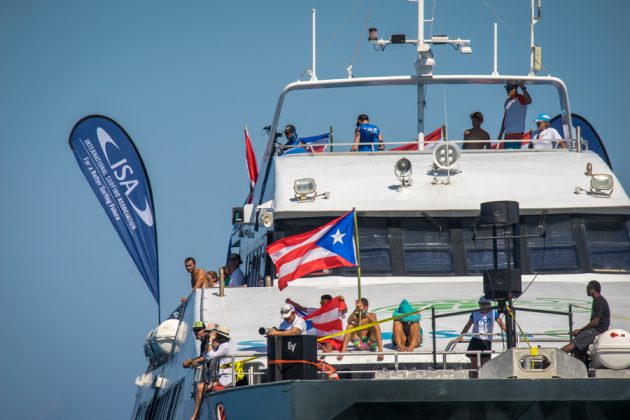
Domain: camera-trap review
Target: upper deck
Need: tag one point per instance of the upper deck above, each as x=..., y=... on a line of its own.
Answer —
x=537, y=179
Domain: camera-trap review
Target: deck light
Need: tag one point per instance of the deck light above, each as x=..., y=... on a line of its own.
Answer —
x=403, y=171
x=445, y=155
x=266, y=218
x=602, y=184
x=305, y=189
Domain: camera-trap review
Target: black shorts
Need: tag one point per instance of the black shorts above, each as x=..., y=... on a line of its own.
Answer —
x=477, y=344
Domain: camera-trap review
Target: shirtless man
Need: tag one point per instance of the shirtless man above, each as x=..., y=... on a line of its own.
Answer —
x=367, y=339
x=476, y=133
x=198, y=277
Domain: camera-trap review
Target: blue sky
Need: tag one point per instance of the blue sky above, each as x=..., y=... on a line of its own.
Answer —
x=182, y=78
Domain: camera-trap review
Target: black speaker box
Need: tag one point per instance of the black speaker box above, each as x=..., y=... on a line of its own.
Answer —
x=287, y=348
x=498, y=284
x=499, y=213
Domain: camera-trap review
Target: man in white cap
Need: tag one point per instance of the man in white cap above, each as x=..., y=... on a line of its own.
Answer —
x=482, y=322
x=547, y=137
x=291, y=323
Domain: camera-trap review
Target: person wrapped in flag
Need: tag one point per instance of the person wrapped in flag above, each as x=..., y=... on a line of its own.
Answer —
x=328, y=246
x=325, y=320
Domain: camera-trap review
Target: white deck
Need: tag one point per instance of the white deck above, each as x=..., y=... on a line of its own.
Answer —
x=537, y=180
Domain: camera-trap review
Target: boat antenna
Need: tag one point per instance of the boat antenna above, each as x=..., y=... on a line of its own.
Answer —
x=535, y=53
x=424, y=61
x=356, y=47
x=313, y=71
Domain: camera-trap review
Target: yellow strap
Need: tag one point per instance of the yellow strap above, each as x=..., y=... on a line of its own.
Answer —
x=371, y=324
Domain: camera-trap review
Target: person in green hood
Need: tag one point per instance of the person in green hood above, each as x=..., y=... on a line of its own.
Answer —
x=407, y=334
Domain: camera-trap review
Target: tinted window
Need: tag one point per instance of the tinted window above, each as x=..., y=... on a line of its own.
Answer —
x=426, y=247
x=555, y=251
x=608, y=243
x=374, y=243
x=479, y=251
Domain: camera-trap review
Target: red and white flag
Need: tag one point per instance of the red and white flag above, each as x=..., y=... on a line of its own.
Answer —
x=327, y=320
x=252, y=166
x=428, y=141
x=328, y=246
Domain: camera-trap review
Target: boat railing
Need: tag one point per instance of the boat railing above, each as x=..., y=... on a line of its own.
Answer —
x=526, y=145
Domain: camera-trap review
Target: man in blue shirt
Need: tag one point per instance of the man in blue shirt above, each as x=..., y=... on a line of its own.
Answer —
x=367, y=137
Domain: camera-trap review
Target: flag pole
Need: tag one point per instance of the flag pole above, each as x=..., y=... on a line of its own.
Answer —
x=356, y=241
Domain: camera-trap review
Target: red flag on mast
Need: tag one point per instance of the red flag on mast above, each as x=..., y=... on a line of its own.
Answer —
x=252, y=166
x=432, y=136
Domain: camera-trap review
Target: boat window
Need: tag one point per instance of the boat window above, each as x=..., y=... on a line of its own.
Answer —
x=375, y=249
x=426, y=246
x=556, y=251
x=479, y=251
x=608, y=243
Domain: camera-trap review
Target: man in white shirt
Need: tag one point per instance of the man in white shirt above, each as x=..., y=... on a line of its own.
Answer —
x=291, y=324
x=547, y=137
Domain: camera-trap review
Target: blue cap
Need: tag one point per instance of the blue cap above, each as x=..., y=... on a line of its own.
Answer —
x=542, y=117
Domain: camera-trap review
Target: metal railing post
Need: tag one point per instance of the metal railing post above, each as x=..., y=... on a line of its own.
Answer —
x=233, y=370
x=433, y=334
x=222, y=281
x=570, y=320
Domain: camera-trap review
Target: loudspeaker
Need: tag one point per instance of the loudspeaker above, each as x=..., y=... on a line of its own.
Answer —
x=498, y=284
x=499, y=213
x=287, y=348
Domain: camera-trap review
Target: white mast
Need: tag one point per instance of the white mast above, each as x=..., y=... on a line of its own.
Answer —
x=313, y=71
x=535, y=53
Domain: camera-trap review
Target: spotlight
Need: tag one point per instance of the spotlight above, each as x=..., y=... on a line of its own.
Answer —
x=305, y=189
x=403, y=171
x=602, y=184
x=266, y=218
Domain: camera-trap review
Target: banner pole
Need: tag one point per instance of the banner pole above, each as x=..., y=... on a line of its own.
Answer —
x=356, y=241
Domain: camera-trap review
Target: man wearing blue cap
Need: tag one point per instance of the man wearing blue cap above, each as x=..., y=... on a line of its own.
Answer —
x=482, y=322
x=514, y=112
x=406, y=330
x=547, y=137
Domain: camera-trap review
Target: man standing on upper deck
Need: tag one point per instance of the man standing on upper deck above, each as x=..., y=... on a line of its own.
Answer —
x=367, y=136
x=600, y=321
x=514, y=112
x=198, y=278
x=476, y=133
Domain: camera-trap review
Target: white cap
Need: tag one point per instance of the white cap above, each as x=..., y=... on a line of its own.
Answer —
x=286, y=311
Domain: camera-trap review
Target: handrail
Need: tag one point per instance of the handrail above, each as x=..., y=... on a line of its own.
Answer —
x=309, y=148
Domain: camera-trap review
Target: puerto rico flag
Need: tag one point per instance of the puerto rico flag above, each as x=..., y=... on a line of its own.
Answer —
x=328, y=246
x=327, y=320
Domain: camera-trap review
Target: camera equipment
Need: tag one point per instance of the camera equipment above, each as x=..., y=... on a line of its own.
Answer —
x=264, y=331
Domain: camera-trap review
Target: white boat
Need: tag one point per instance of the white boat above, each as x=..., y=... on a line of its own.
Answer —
x=420, y=239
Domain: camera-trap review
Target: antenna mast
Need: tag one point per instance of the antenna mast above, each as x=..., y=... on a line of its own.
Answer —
x=535, y=54
x=313, y=70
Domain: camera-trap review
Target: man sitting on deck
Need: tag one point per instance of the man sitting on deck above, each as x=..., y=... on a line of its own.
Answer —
x=365, y=339
x=600, y=321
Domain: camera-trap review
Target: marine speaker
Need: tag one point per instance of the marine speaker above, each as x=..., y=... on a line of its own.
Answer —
x=290, y=353
x=499, y=284
x=499, y=213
